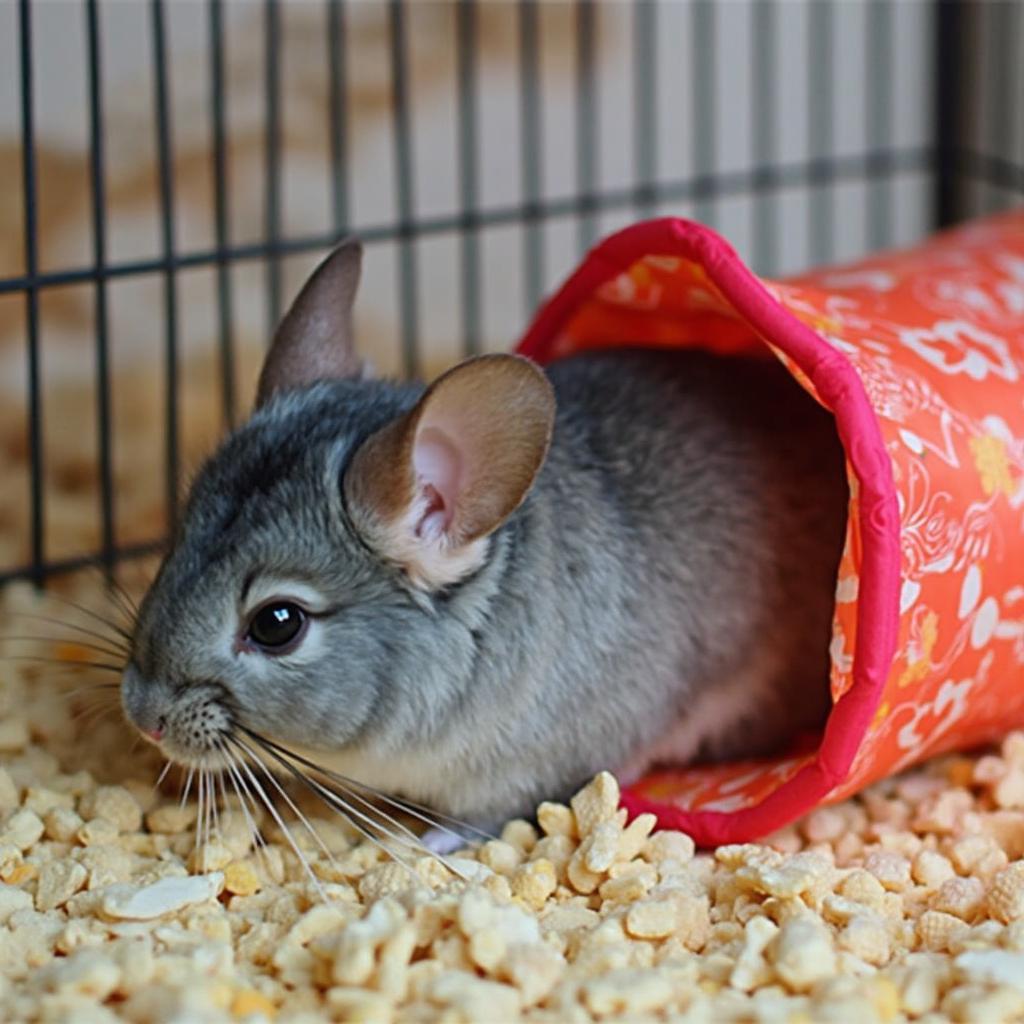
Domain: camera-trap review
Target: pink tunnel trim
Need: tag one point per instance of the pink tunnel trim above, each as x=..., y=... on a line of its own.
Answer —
x=840, y=388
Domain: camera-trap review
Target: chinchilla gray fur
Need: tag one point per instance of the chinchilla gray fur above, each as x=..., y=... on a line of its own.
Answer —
x=663, y=591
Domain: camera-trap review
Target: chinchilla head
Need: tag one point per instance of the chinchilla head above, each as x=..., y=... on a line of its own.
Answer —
x=308, y=577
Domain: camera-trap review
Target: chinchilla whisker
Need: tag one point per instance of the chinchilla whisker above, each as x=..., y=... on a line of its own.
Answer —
x=114, y=641
x=394, y=829
x=355, y=816
x=199, y=809
x=211, y=807
x=91, y=716
x=95, y=616
x=73, y=663
x=89, y=697
x=65, y=674
x=130, y=602
x=364, y=824
x=163, y=775
x=75, y=627
x=120, y=597
x=361, y=822
x=245, y=798
x=119, y=603
x=269, y=804
x=114, y=593
x=108, y=692
x=410, y=839
x=187, y=787
x=238, y=784
x=291, y=803
x=91, y=713
x=197, y=838
x=425, y=814
x=95, y=688
x=390, y=826
x=436, y=819
x=204, y=805
x=208, y=794
x=225, y=799
x=140, y=582
x=213, y=804
x=99, y=649
x=207, y=809
x=105, y=693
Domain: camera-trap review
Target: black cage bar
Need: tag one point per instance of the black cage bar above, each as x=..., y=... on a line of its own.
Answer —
x=973, y=55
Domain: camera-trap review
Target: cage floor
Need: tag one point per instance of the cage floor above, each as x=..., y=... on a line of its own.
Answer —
x=904, y=903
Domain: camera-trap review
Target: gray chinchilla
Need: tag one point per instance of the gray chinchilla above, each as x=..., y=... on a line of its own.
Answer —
x=480, y=593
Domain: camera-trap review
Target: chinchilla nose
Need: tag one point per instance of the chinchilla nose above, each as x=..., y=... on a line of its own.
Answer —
x=143, y=703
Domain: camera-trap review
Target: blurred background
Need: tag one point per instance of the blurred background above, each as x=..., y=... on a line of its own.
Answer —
x=171, y=171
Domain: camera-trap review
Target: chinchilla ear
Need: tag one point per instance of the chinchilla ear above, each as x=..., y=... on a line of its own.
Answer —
x=427, y=490
x=314, y=341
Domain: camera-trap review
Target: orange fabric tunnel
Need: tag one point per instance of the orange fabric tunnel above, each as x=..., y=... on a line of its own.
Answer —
x=919, y=356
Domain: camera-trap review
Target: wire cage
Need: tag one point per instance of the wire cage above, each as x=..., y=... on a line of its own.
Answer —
x=172, y=171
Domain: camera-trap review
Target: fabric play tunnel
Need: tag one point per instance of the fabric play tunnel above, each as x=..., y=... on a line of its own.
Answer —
x=918, y=354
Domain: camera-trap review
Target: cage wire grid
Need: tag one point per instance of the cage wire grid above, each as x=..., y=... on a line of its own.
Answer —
x=952, y=161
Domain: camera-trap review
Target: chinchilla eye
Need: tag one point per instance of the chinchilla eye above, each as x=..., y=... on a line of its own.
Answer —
x=277, y=626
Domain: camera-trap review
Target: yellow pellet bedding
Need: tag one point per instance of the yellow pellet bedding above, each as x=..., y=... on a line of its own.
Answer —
x=904, y=904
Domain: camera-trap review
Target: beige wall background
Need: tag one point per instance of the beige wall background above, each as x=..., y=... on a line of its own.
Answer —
x=137, y=328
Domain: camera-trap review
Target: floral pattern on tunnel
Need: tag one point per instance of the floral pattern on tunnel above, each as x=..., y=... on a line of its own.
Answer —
x=919, y=354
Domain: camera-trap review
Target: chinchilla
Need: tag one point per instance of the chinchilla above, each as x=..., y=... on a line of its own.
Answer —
x=477, y=594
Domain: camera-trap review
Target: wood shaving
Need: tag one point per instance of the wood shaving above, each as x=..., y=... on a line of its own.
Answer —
x=904, y=904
